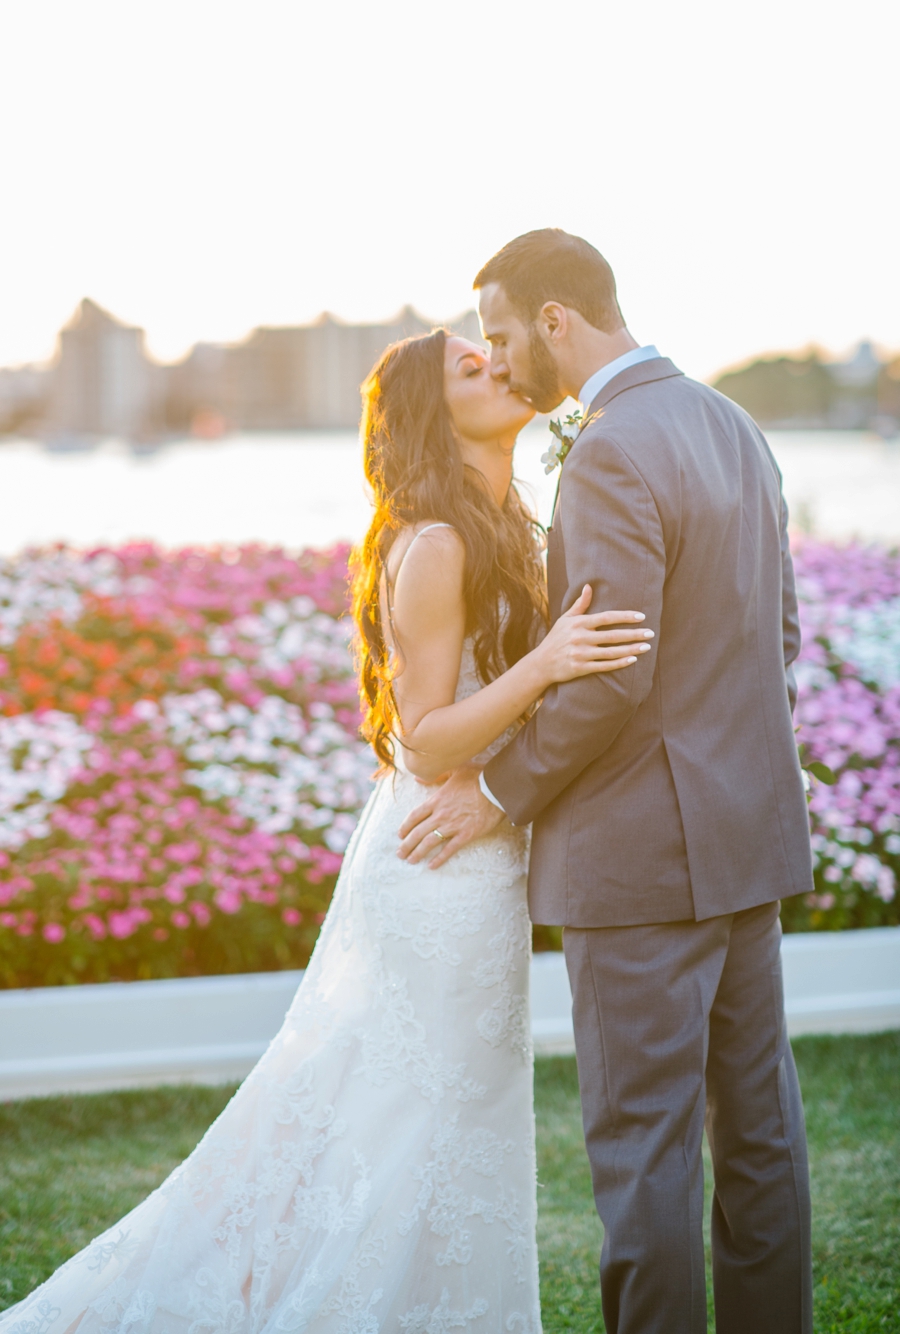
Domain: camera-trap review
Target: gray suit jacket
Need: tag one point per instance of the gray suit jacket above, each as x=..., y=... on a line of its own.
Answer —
x=670, y=790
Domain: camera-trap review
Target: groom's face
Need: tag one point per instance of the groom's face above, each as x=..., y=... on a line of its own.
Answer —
x=519, y=355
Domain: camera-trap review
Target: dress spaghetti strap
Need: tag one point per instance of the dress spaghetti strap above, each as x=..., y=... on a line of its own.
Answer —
x=427, y=529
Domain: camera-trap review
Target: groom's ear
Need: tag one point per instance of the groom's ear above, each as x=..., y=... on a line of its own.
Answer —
x=553, y=321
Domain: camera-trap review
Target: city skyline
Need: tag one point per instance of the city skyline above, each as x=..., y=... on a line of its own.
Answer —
x=204, y=168
x=101, y=381
x=888, y=350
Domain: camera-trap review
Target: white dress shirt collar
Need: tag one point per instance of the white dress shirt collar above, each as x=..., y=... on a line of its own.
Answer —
x=600, y=379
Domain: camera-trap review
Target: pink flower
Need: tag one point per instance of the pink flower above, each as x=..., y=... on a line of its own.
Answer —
x=228, y=901
x=124, y=924
x=184, y=852
x=95, y=925
x=201, y=913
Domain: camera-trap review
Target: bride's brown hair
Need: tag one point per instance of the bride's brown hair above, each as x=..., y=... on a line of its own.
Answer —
x=416, y=473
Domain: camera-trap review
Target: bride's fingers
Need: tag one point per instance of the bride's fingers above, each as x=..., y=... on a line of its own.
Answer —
x=581, y=603
x=613, y=665
x=624, y=635
x=616, y=650
x=595, y=618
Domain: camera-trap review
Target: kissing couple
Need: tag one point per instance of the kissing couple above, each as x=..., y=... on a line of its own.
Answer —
x=376, y=1170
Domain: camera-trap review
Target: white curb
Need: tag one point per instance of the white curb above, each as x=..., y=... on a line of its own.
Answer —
x=213, y=1029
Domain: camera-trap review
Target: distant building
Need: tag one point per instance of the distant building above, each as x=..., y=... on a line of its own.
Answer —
x=858, y=371
x=197, y=396
x=103, y=382
x=301, y=377
x=23, y=398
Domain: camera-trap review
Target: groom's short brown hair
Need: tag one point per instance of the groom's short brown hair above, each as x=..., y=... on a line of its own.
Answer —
x=552, y=265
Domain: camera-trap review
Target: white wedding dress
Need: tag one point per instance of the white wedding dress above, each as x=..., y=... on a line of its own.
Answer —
x=376, y=1170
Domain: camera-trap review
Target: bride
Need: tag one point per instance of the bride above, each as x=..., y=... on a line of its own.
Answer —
x=376, y=1170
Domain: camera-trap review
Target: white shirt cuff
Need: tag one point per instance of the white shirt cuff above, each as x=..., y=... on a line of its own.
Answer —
x=488, y=793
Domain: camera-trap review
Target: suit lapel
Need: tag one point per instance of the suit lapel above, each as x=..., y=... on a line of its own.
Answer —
x=659, y=368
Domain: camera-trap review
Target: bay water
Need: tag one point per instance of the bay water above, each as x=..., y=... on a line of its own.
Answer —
x=307, y=489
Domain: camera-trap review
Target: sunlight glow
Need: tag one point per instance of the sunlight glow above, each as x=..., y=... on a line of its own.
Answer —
x=200, y=168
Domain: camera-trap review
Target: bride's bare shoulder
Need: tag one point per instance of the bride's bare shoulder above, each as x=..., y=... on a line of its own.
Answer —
x=427, y=577
x=419, y=549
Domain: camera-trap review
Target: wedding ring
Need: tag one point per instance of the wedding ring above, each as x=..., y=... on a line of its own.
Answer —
x=438, y=835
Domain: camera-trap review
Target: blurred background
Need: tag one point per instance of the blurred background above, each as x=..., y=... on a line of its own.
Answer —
x=216, y=216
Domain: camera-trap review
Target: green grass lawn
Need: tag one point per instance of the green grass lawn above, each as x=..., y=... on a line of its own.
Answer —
x=851, y=1090
x=70, y=1166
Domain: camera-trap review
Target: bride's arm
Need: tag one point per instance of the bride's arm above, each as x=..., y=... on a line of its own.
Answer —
x=429, y=623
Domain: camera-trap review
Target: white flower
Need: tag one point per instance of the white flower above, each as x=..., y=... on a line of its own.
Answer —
x=551, y=458
x=869, y=637
x=39, y=757
x=39, y=584
x=278, y=768
x=886, y=887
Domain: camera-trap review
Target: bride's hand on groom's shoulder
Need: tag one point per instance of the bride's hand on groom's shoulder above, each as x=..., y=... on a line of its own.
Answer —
x=452, y=815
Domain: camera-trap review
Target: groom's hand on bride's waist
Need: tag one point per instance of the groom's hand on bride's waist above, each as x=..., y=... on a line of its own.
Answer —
x=453, y=814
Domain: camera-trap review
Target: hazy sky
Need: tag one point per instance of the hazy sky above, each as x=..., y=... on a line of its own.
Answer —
x=202, y=166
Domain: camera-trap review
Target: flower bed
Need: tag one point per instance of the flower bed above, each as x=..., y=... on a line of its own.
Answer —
x=849, y=716
x=180, y=768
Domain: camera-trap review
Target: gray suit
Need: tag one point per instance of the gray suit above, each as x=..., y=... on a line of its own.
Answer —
x=669, y=817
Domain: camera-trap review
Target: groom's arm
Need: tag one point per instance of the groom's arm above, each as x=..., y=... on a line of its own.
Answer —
x=614, y=542
x=790, y=612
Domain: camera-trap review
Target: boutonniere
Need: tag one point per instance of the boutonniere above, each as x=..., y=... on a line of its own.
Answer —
x=565, y=434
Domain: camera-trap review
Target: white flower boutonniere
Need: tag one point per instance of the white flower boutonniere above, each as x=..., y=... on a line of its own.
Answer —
x=565, y=434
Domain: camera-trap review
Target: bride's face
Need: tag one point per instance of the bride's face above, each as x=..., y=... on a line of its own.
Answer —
x=482, y=408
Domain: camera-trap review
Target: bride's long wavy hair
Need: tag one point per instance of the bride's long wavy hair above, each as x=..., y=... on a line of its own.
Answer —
x=415, y=470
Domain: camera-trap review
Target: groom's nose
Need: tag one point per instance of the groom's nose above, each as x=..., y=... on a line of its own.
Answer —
x=499, y=366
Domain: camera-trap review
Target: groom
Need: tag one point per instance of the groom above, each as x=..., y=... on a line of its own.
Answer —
x=667, y=803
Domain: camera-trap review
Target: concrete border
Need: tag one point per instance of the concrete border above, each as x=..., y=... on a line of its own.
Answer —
x=213, y=1029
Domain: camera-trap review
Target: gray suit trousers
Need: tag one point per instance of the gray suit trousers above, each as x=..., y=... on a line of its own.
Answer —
x=675, y=1025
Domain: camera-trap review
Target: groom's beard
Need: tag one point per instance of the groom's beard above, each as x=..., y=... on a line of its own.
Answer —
x=542, y=385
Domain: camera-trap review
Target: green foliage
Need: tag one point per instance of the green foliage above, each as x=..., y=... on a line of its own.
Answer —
x=259, y=942
x=800, y=390
x=850, y=910
x=778, y=388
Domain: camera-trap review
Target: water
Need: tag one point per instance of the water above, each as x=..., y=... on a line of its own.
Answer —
x=307, y=489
